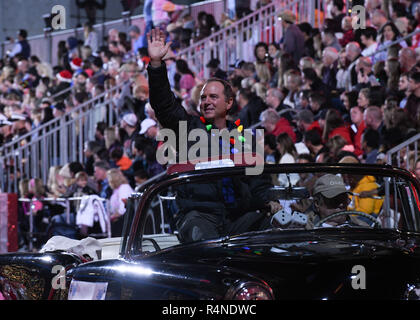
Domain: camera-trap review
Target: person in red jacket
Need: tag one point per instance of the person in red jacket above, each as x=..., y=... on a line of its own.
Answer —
x=306, y=122
x=275, y=125
x=334, y=125
x=359, y=126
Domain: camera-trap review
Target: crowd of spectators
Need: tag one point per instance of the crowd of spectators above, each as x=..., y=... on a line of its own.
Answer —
x=321, y=94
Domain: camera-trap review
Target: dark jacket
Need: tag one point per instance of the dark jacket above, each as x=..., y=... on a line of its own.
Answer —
x=204, y=197
x=294, y=42
x=250, y=114
x=26, y=49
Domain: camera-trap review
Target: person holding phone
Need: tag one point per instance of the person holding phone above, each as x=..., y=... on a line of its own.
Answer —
x=365, y=76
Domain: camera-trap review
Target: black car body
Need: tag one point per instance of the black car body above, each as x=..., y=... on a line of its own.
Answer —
x=323, y=263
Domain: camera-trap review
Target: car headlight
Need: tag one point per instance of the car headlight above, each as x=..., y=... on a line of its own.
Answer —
x=250, y=291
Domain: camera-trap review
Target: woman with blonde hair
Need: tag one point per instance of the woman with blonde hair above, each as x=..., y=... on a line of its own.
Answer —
x=55, y=183
x=263, y=72
x=260, y=90
x=121, y=191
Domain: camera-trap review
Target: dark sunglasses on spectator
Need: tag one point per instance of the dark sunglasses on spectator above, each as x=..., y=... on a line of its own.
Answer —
x=342, y=200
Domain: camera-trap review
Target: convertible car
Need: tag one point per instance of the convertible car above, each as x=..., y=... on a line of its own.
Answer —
x=298, y=231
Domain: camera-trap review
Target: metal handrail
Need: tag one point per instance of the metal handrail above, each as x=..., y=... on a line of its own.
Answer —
x=55, y=121
x=55, y=36
x=393, y=43
x=61, y=141
x=404, y=145
x=224, y=45
x=67, y=204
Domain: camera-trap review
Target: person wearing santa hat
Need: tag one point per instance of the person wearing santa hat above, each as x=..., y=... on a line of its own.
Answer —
x=76, y=64
x=64, y=78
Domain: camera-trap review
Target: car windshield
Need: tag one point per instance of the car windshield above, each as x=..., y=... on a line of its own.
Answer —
x=223, y=203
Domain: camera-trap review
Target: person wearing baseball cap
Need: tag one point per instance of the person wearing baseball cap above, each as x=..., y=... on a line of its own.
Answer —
x=293, y=40
x=129, y=123
x=149, y=128
x=330, y=196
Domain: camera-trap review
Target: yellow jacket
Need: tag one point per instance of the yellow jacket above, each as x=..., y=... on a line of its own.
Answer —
x=367, y=205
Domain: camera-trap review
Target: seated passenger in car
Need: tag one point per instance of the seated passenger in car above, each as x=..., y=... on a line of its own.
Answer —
x=329, y=197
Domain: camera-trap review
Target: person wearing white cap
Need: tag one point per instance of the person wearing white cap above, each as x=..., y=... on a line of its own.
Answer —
x=129, y=124
x=149, y=128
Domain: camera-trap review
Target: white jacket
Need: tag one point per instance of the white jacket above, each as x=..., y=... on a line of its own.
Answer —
x=92, y=209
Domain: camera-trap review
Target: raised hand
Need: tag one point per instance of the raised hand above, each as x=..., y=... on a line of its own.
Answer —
x=156, y=46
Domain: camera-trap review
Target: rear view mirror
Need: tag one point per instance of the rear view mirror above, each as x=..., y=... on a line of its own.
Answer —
x=289, y=193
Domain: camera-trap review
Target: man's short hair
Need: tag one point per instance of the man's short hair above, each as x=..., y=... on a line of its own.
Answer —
x=305, y=27
x=277, y=93
x=270, y=115
x=313, y=137
x=331, y=52
x=248, y=66
x=379, y=13
x=306, y=116
x=371, y=137
x=227, y=88
x=23, y=33
x=102, y=164
x=270, y=140
x=306, y=156
x=369, y=33
x=329, y=32
x=135, y=29
x=295, y=75
x=353, y=46
x=375, y=112
x=318, y=97
x=415, y=76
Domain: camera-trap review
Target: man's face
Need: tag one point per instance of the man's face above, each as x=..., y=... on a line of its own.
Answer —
x=350, y=54
x=99, y=174
x=271, y=100
x=290, y=83
x=328, y=206
x=417, y=170
x=151, y=132
x=268, y=126
x=261, y=53
x=314, y=105
x=302, y=100
x=412, y=85
x=403, y=83
x=356, y=115
x=301, y=125
x=81, y=79
x=133, y=35
x=402, y=58
x=326, y=60
x=213, y=104
x=364, y=40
